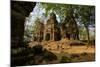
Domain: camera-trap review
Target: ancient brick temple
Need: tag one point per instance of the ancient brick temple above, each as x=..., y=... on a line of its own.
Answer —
x=50, y=30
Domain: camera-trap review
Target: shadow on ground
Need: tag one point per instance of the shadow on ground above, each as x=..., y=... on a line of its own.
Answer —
x=31, y=56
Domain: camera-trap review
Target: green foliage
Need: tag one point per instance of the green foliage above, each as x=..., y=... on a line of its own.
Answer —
x=82, y=34
x=57, y=8
x=86, y=13
x=65, y=59
x=36, y=25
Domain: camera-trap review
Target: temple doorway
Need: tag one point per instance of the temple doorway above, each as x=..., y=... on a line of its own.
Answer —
x=47, y=36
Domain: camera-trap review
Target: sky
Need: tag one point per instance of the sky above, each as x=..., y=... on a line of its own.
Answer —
x=38, y=12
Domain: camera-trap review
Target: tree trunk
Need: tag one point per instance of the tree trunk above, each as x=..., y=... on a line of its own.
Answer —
x=77, y=30
x=87, y=30
x=77, y=34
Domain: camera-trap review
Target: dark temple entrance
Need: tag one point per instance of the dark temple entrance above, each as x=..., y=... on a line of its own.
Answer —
x=47, y=36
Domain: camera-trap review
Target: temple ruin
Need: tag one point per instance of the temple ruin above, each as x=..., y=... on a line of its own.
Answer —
x=51, y=30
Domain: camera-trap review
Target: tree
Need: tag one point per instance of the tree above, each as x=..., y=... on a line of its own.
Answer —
x=38, y=27
x=87, y=16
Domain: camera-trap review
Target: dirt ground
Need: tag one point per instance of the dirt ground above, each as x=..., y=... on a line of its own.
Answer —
x=80, y=53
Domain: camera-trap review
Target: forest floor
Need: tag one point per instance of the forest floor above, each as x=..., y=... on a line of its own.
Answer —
x=66, y=52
